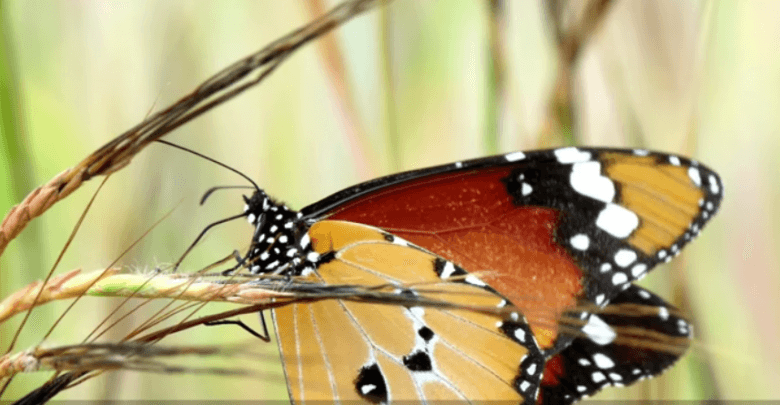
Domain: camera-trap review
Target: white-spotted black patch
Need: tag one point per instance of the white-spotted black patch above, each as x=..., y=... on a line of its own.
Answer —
x=598, y=359
x=276, y=246
x=595, y=226
x=446, y=269
x=371, y=385
x=514, y=156
x=527, y=381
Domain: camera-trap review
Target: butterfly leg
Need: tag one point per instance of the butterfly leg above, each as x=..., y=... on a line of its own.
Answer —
x=202, y=233
x=265, y=336
x=240, y=262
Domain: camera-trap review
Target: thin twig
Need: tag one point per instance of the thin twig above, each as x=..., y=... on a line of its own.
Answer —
x=221, y=87
x=570, y=42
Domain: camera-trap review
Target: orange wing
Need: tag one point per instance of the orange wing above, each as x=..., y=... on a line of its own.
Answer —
x=345, y=350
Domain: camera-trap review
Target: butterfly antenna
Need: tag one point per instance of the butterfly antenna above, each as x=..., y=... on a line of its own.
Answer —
x=202, y=233
x=212, y=161
x=211, y=190
x=208, y=192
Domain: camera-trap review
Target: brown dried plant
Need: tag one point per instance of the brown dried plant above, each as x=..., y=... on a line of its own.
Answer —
x=223, y=86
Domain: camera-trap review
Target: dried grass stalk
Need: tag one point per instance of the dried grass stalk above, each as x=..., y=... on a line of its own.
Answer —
x=111, y=283
x=112, y=356
x=228, y=83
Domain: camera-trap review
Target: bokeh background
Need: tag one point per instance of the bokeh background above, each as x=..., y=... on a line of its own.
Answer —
x=406, y=87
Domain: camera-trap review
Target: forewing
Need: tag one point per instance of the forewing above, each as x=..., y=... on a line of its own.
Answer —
x=546, y=229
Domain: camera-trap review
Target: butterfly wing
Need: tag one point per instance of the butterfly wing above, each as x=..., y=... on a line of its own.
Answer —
x=344, y=350
x=554, y=227
x=636, y=336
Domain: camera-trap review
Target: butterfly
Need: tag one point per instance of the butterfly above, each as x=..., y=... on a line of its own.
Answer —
x=556, y=237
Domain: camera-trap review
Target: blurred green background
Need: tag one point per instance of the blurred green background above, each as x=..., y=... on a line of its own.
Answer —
x=403, y=88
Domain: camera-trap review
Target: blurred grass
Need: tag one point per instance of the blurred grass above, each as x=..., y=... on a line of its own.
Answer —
x=698, y=78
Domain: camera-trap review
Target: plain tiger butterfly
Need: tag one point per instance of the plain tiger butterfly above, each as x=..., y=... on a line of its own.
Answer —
x=558, y=234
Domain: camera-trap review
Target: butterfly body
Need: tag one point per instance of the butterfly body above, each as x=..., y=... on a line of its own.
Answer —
x=544, y=231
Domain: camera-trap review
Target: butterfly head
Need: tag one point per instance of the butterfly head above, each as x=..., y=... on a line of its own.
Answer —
x=275, y=245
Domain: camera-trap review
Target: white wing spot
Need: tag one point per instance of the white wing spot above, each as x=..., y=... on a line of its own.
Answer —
x=598, y=377
x=449, y=268
x=474, y=280
x=524, y=386
x=307, y=272
x=695, y=176
x=514, y=156
x=606, y=267
x=617, y=221
x=587, y=180
x=602, y=361
x=638, y=270
x=674, y=160
x=661, y=254
x=571, y=155
x=624, y=257
x=251, y=218
x=683, y=327
x=531, y=370
x=598, y=331
x=526, y=189
x=520, y=334
x=458, y=165
x=619, y=278
x=600, y=299
x=663, y=313
x=615, y=377
x=580, y=241
x=399, y=241
x=641, y=152
x=584, y=362
x=305, y=239
x=714, y=187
